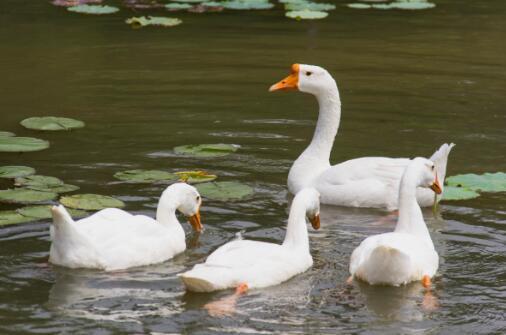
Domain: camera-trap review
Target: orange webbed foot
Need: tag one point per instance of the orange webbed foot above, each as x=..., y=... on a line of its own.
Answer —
x=426, y=281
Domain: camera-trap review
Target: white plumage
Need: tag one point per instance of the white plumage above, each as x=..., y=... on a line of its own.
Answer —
x=407, y=254
x=361, y=182
x=260, y=264
x=113, y=239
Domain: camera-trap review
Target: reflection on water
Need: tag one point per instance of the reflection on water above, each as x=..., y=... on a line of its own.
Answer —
x=409, y=81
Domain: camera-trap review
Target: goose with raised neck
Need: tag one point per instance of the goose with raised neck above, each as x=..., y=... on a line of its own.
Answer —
x=360, y=182
x=113, y=239
x=255, y=264
x=407, y=254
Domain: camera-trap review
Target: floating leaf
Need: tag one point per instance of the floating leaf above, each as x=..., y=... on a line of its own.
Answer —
x=312, y=6
x=247, y=4
x=358, y=5
x=177, y=6
x=153, y=21
x=212, y=4
x=306, y=15
x=70, y=3
x=24, y=196
x=145, y=176
x=12, y=217
x=45, y=184
x=225, y=190
x=6, y=134
x=51, y=123
x=93, y=9
x=487, y=182
x=191, y=1
x=15, y=171
x=458, y=193
x=194, y=177
x=44, y=212
x=22, y=144
x=92, y=202
x=207, y=150
x=38, y=180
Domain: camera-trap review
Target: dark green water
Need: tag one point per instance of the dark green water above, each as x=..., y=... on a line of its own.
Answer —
x=409, y=81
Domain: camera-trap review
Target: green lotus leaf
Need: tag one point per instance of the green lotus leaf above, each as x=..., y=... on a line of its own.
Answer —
x=191, y=1
x=38, y=180
x=93, y=9
x=51, y=123
x=306, y=15
x=12, y=217
x=247, y=4
x=153, y=21
x=358, y=5
x=145, y=176
x=312, y=6
x=45, y=184
x=212, y=4
x=22, y=144
x=206, y=150
x=44, y=212
x=225, y=190
x=177, y=6
x=91, y=202
x=487, y=182
x=25, y=196
x=15, y=171
x=6, y=134
x=458, y=193
x=195, y=177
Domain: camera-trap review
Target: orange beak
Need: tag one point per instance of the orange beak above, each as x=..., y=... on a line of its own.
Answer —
x=315, y=221
x=195, y=221
x=289, y=83
x=436, y=187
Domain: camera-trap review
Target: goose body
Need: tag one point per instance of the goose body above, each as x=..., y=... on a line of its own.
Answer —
x=361, y=182
x=260, y=264
x=113, y=239
x=407, y=254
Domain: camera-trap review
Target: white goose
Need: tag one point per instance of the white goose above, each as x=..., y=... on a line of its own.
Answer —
x=361, y=182
x=113, y=239
x=407, y=254
x=253, y=264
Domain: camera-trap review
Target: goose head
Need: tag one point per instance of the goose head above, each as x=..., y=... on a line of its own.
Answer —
x=311, y=199
x=424, y=170
x=188, y=203
x=306, y=78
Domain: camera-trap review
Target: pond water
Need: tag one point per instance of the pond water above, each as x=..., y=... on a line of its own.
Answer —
x=409, y=81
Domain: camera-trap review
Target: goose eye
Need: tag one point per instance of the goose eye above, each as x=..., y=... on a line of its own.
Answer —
x=432, y=167
x=198, y=197
x=308, y=73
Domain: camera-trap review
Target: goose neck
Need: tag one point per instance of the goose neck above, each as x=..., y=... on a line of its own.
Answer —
x=296, y=231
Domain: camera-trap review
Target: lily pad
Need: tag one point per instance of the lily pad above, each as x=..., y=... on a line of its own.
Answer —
x=51, y=123
x=458, y=193
x=177, y=6
x=144, y=21
x=91, y=202
x=358, y=5
x=207, y=150
x=306, y=15
x=190, y=1
x=45, y=184
x=312, y=6
x=22, y=144
x=93, y=9
x=6, y=134
x=487, y=182
x=195, y=177
x=12, y=217
x=14, y=171
x=44, y=212
x=247, y=4
x=70, y=3
x=225, y=190
x=25, y=196
x=145, y=176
